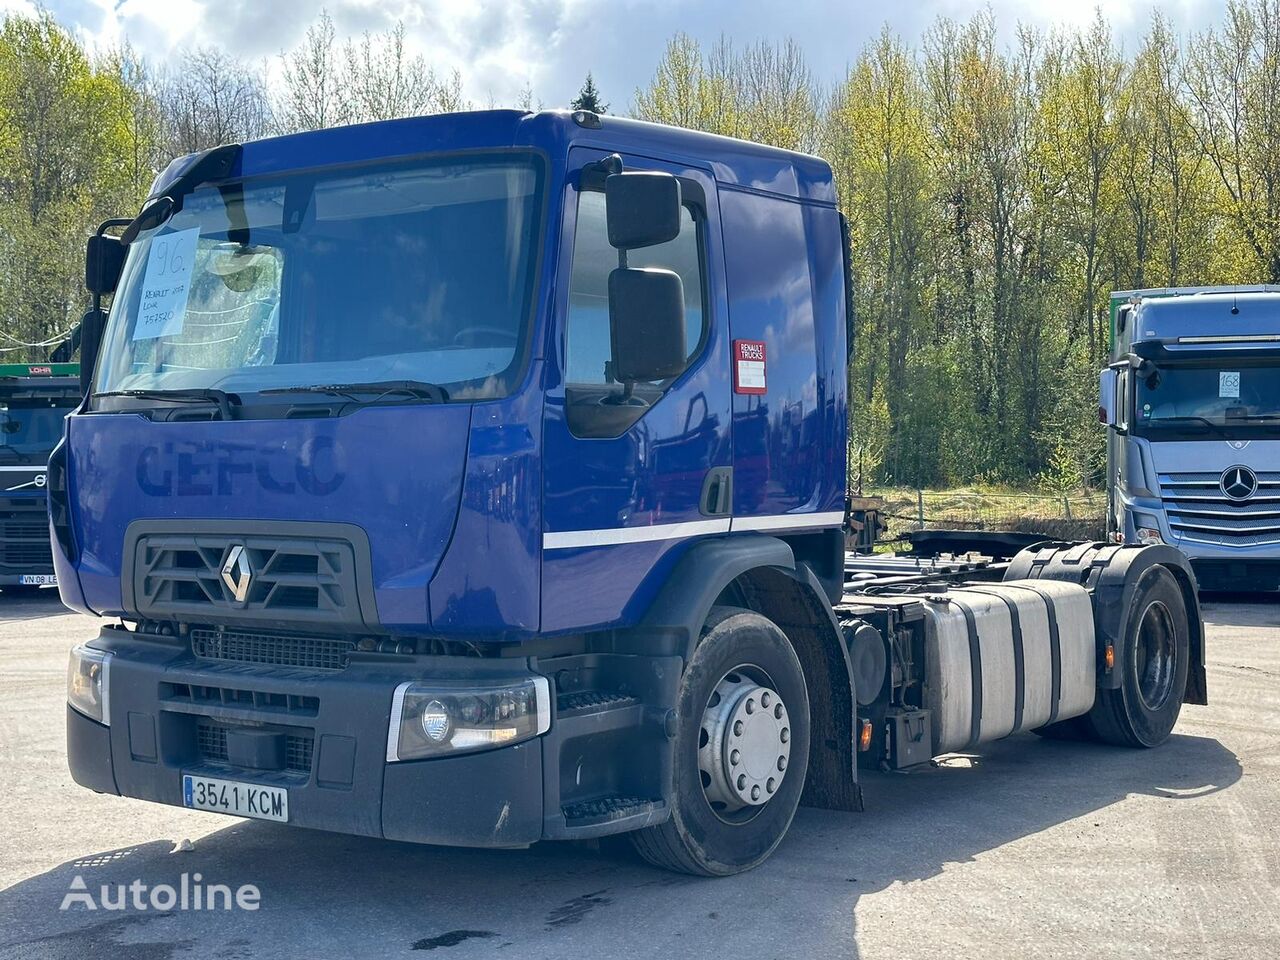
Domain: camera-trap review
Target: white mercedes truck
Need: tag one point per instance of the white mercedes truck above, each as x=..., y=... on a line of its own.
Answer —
x=1191, y=400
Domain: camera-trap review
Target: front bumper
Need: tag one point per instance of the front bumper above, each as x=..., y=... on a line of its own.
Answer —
x=1235, y=574
x=165, y=702
x=1218, y=566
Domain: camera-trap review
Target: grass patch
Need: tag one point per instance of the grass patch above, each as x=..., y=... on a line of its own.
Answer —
x=1079, y=515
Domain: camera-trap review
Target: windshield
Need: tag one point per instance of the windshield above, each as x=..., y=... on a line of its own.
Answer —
x=1226, y=398
x=420, y=272
x=31, y=427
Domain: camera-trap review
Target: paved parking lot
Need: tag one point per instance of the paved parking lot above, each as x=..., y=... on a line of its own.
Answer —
x=1034, y=849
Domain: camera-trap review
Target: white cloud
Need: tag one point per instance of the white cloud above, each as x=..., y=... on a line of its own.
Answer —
x=499, y=46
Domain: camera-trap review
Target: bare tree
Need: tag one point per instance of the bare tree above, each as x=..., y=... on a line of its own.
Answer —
x=383, y=82
x=374, y=78
x=214, y=98
x=448, y=96
x=315, y=93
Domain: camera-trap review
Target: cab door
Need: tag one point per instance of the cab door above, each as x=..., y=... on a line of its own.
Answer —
x=631, y=475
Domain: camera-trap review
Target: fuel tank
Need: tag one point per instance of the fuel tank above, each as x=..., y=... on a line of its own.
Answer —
x=1001, y=658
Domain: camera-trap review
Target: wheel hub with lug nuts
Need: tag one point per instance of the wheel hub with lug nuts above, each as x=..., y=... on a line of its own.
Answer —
x=744, y=744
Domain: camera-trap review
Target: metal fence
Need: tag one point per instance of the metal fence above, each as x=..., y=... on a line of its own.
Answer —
x=1079, y=516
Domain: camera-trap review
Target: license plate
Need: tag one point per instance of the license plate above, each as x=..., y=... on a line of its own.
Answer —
x=236, y=797
x=38, y=580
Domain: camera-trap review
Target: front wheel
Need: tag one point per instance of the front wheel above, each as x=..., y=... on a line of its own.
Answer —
x=741, y=750
x=1155, y=659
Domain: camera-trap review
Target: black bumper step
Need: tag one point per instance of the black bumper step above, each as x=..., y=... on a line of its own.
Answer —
x=587, y=813
x=579, y=700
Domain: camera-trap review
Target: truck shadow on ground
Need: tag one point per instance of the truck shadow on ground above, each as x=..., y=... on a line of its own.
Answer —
x=331, y=895
x=28, y=604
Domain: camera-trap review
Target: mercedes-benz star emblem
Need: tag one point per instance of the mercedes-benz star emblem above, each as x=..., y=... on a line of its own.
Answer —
x=1239, y=483
x=237, y=574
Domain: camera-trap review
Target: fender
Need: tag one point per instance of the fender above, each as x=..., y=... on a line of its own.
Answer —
x=1111, y=574
x=681, y=608
x=792, y=596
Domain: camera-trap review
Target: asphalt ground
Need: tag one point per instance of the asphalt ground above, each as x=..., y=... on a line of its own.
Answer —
x=1032, y=849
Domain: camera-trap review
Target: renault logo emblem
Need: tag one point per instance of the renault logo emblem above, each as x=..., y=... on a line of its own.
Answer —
x=237, y=574
x=1239, y=483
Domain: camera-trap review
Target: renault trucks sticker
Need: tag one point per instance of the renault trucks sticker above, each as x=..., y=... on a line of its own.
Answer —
x=748, y=366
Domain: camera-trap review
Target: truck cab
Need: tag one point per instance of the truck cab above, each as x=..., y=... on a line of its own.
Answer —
x=480, y=479
x=34, y=399
x=1192, y=400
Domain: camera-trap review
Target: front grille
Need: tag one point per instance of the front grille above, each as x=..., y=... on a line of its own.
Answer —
x=34, y=529
x=297, y=753
x=200, y=695
x=24, y=539
x=211, y=746
x=310, y=653
x=211, y=742
x=1198, y=510
x=179, y=576
x=29, y=556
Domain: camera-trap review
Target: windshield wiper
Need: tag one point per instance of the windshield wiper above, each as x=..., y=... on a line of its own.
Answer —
x=1254, y=417
x=1161, y=421
x=417, y=389
x=181, y=395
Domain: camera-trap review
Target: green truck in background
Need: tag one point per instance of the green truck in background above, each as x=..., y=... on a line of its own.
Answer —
x=34, y=397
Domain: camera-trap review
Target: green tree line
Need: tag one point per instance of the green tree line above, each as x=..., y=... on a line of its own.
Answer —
x=997, y=193
x=996, y=190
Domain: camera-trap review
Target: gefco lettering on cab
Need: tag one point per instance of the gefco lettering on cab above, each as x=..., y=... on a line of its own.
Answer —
x=202, y=470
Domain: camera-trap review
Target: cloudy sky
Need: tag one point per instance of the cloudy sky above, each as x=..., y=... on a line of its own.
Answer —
x=551, y=44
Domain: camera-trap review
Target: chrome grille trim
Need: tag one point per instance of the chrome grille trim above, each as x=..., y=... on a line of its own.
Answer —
x=1199, y=511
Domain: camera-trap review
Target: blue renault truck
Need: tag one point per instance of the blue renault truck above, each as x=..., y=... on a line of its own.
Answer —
x=480, y=479
x=34, y=397
x=1191, y=400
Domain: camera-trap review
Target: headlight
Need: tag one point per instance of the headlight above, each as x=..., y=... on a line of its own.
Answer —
x=433, y=719
x=1146, y=529
x=87, y=687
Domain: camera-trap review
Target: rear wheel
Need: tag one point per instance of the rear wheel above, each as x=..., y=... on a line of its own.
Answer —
x=741, y=750
x=1155, y=658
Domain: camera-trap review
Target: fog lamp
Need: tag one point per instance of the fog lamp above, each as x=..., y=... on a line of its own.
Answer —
x=436, y=721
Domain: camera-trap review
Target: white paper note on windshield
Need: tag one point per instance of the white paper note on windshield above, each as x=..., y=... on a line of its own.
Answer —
x=162, y=310
x=1228, y=384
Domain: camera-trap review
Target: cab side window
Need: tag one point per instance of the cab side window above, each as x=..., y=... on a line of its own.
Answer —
x=596, y=404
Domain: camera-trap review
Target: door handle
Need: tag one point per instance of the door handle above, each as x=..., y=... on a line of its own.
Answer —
x=717, y=492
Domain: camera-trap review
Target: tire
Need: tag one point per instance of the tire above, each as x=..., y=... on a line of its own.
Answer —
x=1156, y=656
x=705, y=836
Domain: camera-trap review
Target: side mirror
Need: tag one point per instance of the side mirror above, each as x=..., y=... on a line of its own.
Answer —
x=103, y=262
x=1107, y=382
x=92, y=325
x=646, y=324
x=643, y=209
